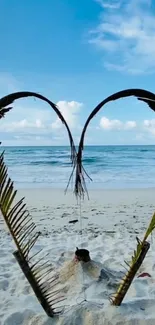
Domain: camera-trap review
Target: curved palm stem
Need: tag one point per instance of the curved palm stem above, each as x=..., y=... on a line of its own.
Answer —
x=141, y=94
x=9, y=99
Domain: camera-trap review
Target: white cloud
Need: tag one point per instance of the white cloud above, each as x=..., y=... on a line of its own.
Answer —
x=129, y=125
x=70, y=112
x=21, y=125
x=149, y=123
x=127, y=32
x=37, y=114
x=109, y=5
x=149, y=126
x=24, y=124
x=107, y=124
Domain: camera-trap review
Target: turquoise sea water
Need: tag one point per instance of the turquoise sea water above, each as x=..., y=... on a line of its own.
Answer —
x=108, y=166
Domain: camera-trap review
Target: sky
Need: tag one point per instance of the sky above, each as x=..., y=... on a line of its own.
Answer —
x=77, y=52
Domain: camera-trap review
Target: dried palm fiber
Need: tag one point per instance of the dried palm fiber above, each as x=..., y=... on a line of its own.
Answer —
x=38, y=272
x=142, y=95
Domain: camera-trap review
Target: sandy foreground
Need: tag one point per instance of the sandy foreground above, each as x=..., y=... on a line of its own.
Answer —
x=110, y=221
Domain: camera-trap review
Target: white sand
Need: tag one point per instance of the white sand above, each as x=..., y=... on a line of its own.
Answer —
x=111, y=220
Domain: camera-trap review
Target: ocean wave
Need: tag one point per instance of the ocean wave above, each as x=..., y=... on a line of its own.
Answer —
x=113, y=166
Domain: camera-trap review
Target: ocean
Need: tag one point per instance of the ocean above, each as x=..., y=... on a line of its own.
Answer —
x=109, y=167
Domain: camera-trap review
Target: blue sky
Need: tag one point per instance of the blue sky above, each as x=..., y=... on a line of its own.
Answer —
x=77, y=53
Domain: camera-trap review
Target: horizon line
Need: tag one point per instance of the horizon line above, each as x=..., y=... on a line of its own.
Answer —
x=87, y=145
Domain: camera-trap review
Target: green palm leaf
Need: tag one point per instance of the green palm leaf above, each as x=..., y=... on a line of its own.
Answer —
x=134, y=265
x=24, y=234
x=150, y=228
x=140, y=244
x=21, y=226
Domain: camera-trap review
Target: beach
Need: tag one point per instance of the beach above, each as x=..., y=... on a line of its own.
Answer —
x=77, y=162
x=107, y=225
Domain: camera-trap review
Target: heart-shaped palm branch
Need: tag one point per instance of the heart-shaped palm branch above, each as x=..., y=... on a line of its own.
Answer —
x=38, y=272
x=141, y=94
x=9, y=99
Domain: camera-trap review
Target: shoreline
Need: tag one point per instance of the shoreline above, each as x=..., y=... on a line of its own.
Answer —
x=46, y=188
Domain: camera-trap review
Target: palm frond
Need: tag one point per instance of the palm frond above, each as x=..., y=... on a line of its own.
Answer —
x=24, y=234
x=9, y=99
x=150, y=228
x=137, y=251
x=141, y=94
x=137, y=260
x=133, y=266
